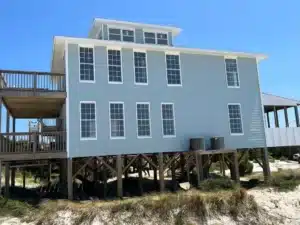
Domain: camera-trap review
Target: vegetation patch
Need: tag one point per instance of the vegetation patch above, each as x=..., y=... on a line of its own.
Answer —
x=285, y=180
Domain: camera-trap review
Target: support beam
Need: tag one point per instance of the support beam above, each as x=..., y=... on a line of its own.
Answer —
x=173, y=172
x=154, y=158
x=265, y=164
x=14, y=125
x=125, y=164
x=161, y=171
x=13, y=177
x=70, y=179
x=7, y=172
x=286, y=117
x=140, y=172
x=236, y=167
x=182, y=165
x=276, y=117
x=7, y=121
x=119, y=176
x=104, y=178
x=24, y=178
x=268, y=120
x=0, y=166
x=0, y=114
x=297, y=116
x=49, y=171
x=198, y=167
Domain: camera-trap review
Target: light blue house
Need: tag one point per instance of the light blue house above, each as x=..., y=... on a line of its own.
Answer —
x=130, y=90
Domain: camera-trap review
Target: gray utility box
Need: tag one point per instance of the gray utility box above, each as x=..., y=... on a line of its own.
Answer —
x=197, y=143
x=217, y=143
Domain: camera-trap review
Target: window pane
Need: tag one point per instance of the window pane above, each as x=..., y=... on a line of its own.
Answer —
x=143, y=119
x=149, y=37
x=232, y=73
x=162, y=38
x=235, y=119
x=114, y=34
x=114, y=66
x=140, y=67
x=117, y=120
x=173, y=69
x=128, y=35
x=168, y=119
x=86, y=60
x=88, y=120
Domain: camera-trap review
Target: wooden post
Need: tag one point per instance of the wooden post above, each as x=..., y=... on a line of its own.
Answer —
x=140, y=172
x=268, y=120
x=0, y=115
x=236, y=167
x=188, y=166
x=266, y=165
x=70, y=179
x=276, y=117
x=223, y=164
x=119, y=175
x=7, y=121
x=24, y=178
x=104, y=174
x=182, y=164
x=155, y=169
x=297, y=116
x=125, y=164
x=173, y=172
x=198, y=166
x=13, y=177
x=6, y=191
x=286, y=117
x=161, y=171
x=49, y=171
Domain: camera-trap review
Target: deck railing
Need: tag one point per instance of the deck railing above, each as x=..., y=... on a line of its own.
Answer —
x=34, y=142
x=32, y=81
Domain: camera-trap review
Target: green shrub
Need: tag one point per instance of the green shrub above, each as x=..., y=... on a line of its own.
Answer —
x=285, y=180
x=218, y=184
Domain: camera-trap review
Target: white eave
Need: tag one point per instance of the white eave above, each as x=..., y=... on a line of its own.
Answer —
x=124, y=24
x=59, y=43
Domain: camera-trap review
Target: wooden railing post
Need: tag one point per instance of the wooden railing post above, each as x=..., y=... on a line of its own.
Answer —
x=34, y=82
x=34, y=135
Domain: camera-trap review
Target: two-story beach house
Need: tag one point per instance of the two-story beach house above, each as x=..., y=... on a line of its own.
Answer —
x=125, y=92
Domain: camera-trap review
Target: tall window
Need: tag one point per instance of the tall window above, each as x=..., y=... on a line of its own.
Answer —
x=173, y=70
x=140, y=68
x=235, y=119
x=168, y=119
x=114, y=34
x=86, y=61
x=149, y=38
x=117, y=121
x=88, y=120
x=232, y=73
x=162, y=39
x=114, y=66
x=143, y=119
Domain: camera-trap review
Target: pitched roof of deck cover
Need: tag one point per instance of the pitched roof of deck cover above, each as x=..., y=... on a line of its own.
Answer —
x=274, y=100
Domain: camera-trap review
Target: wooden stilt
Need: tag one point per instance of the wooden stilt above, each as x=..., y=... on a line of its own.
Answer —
x=266, y=165
x=161, y=171
x=125, y=164
x=198, y=165
x=173, y=172
x=236, y=167
x=13, y=177
x=223, y=164
x=0, y=166
x=154, y=168
x=24, y=178
x=182, y=165
x=104, y=178
x=119, y=175
x=70, y=179
x=7, y=172
x=140, y=172
x=49, y=171
x=188, y=166
x=63, y=171
x=7, y=121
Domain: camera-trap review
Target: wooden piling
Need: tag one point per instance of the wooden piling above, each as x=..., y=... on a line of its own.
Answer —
x=13, y=177
x=125, y=163
x=24, y=178
x=266, y=165
x=7, y=172
x=236, y=167
x=173, y=174
x=70, y=179
x=161, y=171
x=199, y=166
x=0, y=166
x=119, y=175
x=104, y=178
x=140, y=173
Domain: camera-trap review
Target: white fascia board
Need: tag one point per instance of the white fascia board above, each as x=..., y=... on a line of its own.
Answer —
x=165, y=48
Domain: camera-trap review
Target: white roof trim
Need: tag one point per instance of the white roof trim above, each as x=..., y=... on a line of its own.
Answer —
x=117, y=44
x=175, y=31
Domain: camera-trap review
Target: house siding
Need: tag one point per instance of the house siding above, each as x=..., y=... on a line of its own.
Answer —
x=200, y=104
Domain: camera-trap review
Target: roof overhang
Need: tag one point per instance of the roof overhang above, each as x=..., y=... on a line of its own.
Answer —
x=270, y=101
x=59, y=45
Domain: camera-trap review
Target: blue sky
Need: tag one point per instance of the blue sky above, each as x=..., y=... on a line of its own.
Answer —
x=264, y=26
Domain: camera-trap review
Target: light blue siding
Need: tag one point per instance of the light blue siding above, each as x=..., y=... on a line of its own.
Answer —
x=200, y=104
x=139, y=36
x=170, y=39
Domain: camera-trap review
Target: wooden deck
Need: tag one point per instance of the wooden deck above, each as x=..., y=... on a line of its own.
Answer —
x=34, y=145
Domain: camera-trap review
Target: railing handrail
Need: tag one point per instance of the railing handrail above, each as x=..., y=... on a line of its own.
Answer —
x=25, y=133
x=31, y=72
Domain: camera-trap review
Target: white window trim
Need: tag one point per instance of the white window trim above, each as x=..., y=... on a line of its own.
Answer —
x=173, y=53
x=235, y=134
x=121, y=30
x=155, y=33
x=87, y=46
x=116, y=102
x=174, y=119
x=140, y=51
x=137, y=132
x=237, y=69
x=121, y=58
x=88, y=102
